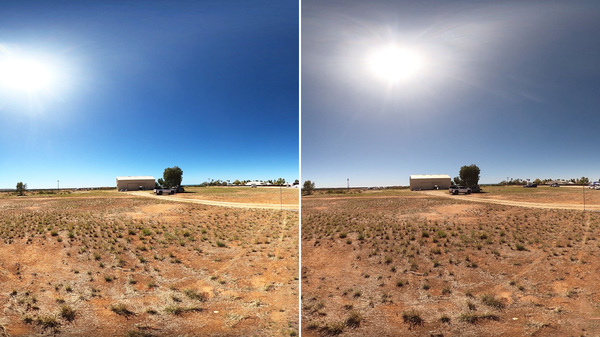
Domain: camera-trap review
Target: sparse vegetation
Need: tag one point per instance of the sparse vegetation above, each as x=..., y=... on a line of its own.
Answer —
x=121, y=309
x=426, y=255
x=118, y=255
x=412, y=318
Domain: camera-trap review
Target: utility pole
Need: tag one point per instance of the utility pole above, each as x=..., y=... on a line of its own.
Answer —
x=348, y=181
x=58, y=185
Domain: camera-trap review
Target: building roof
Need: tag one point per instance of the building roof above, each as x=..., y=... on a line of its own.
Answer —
x=429, y=176
x=136, y=178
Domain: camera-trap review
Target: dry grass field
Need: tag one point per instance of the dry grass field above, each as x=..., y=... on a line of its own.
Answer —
x=263, y=195
x=110, y=264
x=401, y=263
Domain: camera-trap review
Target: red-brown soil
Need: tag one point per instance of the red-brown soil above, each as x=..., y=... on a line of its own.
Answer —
x=412, y=264
x=127, y=266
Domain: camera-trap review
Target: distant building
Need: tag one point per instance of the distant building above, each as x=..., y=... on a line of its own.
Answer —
x=429, y=182
x=135, y=183
x=256, y=183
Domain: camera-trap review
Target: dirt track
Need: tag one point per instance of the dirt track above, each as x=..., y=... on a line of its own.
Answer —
x=288, y=207
x=475, y=198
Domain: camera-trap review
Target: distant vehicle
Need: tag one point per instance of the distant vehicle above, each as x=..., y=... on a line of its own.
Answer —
x=475, y=189
x=179, y=189
x=161, y=191
x=555, y=185
x=530, y=185
x=459, y=189
x=595, y=185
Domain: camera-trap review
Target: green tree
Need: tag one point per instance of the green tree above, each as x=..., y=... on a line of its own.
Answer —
x=308, y=187
x=172, y=177
x=296, y=182
x=280, y=182
x=470, y=175
x=161, y=182
x=237, y=182
x=457, y=181
x=21, y=188
x=583, y=181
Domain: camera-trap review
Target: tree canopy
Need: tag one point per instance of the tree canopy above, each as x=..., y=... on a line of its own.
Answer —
x=172, y=177
x=308, y=187
x=21, y=188
x=469, y=175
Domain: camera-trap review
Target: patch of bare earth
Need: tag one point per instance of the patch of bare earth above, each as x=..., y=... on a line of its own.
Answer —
x=141, y=267
x=430, y=266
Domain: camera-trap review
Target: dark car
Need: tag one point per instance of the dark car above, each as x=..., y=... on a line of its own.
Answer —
x=530, y=185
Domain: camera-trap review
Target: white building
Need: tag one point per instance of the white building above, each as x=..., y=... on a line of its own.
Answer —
x=135, y=183
x=429, y=181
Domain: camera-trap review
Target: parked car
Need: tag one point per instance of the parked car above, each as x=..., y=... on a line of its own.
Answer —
x=530, y=185
x=555, y=185
x=459, y=189
x=161, y=191
x=476, y=189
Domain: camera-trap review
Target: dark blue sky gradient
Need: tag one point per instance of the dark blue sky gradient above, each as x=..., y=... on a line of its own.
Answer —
x=210, y=86
x=510, y=86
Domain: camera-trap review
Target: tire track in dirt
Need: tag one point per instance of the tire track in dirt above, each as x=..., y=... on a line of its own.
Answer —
x=285, y=207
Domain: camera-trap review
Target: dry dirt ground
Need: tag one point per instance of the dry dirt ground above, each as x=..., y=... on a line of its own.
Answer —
x=264, y=198
x=118, y=265
x=262, y=195
x=414, y=264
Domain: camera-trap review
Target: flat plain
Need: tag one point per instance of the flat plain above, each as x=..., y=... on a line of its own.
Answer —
x=402, y=263
x=103, y=263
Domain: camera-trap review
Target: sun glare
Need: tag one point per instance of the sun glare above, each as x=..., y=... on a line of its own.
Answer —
x=395, y=64
x=25, y=74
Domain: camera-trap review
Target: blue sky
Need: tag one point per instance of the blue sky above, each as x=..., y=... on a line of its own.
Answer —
x=209, y=86
x=511, y=86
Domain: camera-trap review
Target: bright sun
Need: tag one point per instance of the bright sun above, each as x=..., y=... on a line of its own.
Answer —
x=395, y=64
x=25, y=74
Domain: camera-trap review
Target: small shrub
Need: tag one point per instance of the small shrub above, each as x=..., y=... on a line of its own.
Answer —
x=67, y=313
x=121, y=309
x=178, y=310
x=491, y=301
x=48, y=322
x=333, y=329
x=353, y=320
x=195, y=295
x=473, y=318
x=413, y=318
